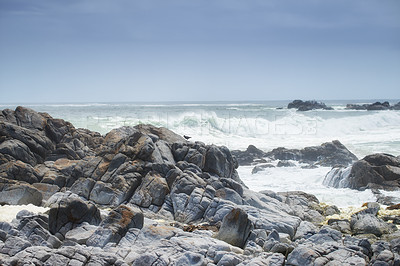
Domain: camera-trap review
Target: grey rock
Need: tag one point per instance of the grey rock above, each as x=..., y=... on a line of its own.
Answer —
x=325, y=235
x=191, y=258
x=83, y=187
x=261, y=167
x=327, y=154
x=229, y=259
x=115, y=226
x=192, y=208
x=19, y=171
x=340, y=225
x=375, y=171
x=219, y=161
x=18, y=150
x=285, y=163
x=19, y=193
x=72, y=211
x=235, y=228
x=153, y=190
x=307, y=105
x=47, y=190
x=305, y=230
x=13, y=245
x=370, y=224
x=230, y=195
x=104, y=194
x=81, y=233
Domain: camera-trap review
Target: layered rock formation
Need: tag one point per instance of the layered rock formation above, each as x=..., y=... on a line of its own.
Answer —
x=146, y=196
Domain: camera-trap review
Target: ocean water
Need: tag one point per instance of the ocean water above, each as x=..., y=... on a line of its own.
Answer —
x=266, y=125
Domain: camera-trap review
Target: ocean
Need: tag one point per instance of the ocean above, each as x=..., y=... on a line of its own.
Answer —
x=266, y=125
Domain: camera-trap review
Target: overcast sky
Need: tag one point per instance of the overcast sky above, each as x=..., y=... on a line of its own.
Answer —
x=198, y=50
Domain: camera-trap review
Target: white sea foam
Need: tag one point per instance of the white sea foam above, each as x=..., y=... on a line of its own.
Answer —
x=8, y=212
x=281, y=179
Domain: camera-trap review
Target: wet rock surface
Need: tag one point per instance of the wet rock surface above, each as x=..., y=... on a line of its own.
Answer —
x=327, y=154
x=146, y=196
x=375, y=171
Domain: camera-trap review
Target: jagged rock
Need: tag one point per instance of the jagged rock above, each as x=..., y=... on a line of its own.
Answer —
x=251, y=155
x=75, y=255
x=70, y=212
x=366, y=223
x=303, y=205
x=327, y=154
x=153, y=190
x=14, y=245
x=81, y=233
x=219, y=161
x=374, y=171
x=307, y=105
x=235, y=228
x=37, y=141
x=18, y=150
x=19, y=171
x=47, y=190
x=340, y=225
x=305, y=230
x=115, y=226
x=173, y=181
x=326, y=246
x=14, y=193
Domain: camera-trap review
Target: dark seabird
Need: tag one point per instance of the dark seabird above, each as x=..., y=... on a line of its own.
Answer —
x=186, y=137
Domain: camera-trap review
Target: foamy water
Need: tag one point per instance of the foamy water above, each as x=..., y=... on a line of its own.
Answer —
x=237, y=125
x=8, y=212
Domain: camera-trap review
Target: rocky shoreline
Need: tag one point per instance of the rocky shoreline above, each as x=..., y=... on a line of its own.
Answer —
x=314, y=105
x=146, y=196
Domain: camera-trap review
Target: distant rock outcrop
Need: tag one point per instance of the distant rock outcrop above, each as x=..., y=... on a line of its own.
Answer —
x=377, y=106
x=308, y=105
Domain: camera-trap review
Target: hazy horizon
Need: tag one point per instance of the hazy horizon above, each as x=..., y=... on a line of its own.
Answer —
x=185, y=51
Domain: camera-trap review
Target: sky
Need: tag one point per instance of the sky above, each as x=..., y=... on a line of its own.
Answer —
x=198, y=50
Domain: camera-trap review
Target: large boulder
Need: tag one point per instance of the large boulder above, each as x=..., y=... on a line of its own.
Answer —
x=368, y=223
x=71, y=212
x=327, y=154
x=235, y=228
x=152, y=190
x=379, y=170
x=115, y=226
x=18, y=150
x=219, y=161
x=15, y=193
